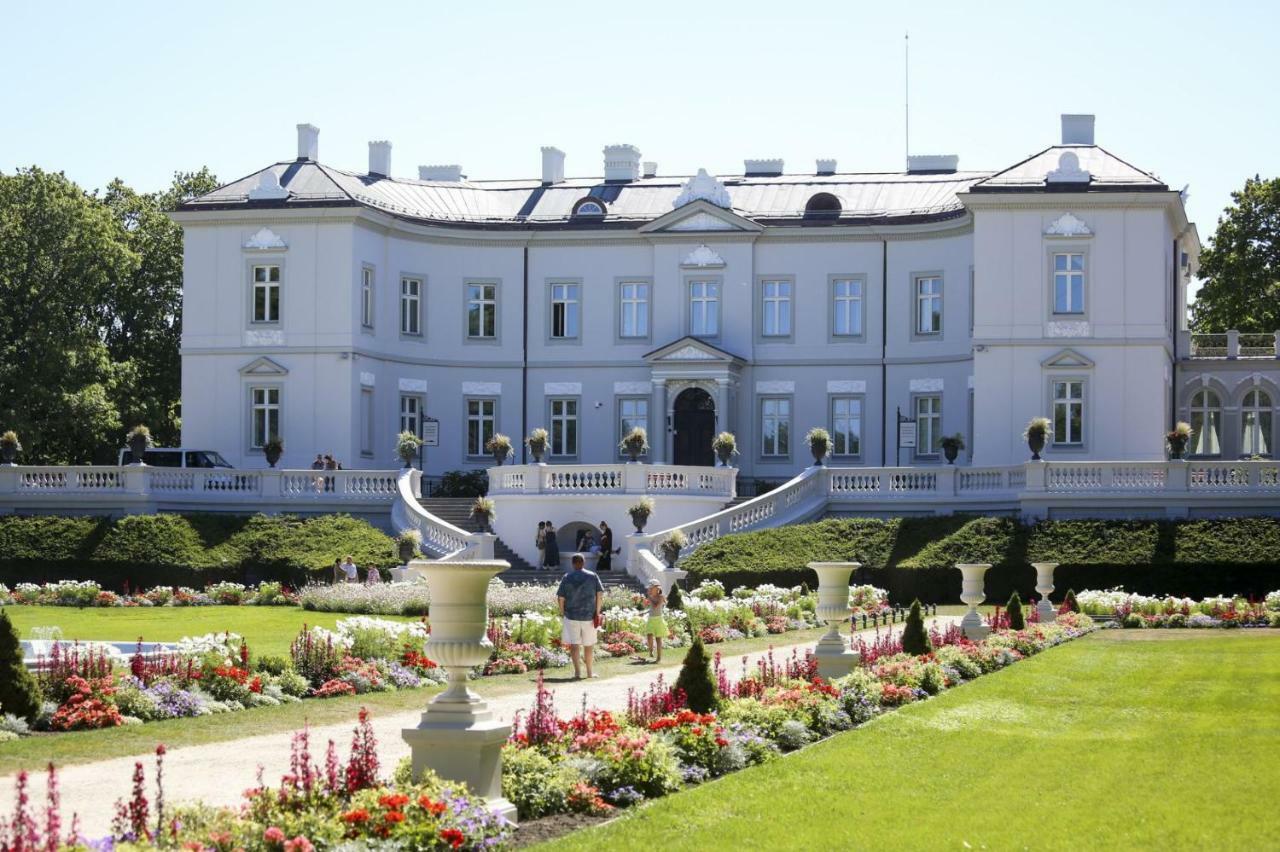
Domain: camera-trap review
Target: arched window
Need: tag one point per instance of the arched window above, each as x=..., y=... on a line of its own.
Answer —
x=823, y=205
x=589, y=207
x=1255, y=424
x=1206, y=422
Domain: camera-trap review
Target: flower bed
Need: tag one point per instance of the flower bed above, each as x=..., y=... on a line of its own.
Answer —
x=86, y=593
x=1138, y=611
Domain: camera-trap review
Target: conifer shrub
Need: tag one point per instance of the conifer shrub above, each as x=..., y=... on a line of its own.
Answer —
x=19, y=692
x=1069, y=602
x=1017, y=621
x=915, y=639
x=674, y=600
x=696, y=681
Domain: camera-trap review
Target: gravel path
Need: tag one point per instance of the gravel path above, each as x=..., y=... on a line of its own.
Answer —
x=217, y=773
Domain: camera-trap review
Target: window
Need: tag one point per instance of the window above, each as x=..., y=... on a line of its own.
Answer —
x=481, y=424
x=823, y=205
x=775, y=305
x=1206, y=424
x=589, y=207
x=928, y=426
x=411, y=306
x=482, y=311
x=411, y=414
x=928, y=305
x=264, y=416
x=366, y=421
x=846, y=307
x=1068, y=412
x=1255, y=423
x=846, y=425
x=704, y=308
x=366, y=297
x=564, y=427
x=565, y=310
x=633, y=411
x=1068, y=283
x=633, y=316
x=266, y=293
x=775, y=427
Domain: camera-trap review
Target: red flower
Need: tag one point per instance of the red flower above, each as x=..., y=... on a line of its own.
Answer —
x=393, y=816
x=355, y=817
x=435, y=808
x=453, y=837
x=393, y=801
x=273, y=835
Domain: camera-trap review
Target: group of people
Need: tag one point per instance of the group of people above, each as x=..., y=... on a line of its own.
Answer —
x=581, y=599
x=325, y=461
x=346, y=571
x=549, y=546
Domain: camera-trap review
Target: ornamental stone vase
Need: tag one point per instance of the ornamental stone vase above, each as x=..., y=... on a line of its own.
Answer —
x=973, y=593
x=8, y=453
x=638, y=521
x=1035, y=443
x=1044, y=587
x=458, y=737
x=835, y=657
x=138, y=448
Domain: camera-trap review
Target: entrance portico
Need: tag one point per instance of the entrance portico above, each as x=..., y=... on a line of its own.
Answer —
x=695, y=388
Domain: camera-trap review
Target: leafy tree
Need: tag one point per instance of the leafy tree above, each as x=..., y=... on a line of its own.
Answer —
x=1241, y=266
x=915, y=639
x=19, y=692
x=695, y=679
x=1017, y=621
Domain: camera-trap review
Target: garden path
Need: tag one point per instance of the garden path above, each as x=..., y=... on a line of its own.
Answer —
x=218, y=773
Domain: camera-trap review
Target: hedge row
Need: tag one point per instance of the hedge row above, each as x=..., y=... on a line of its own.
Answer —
x=147, y=550
x=915, y=557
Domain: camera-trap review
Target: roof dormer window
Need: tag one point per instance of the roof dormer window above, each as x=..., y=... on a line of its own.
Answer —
x=822, y=205
x=588, y=207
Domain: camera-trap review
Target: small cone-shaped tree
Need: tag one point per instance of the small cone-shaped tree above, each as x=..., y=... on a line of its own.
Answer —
x=673, y=599
x=695, y=679
x=19, y=692
x=1069, y=602
x=1017, y=621
x=915, y=639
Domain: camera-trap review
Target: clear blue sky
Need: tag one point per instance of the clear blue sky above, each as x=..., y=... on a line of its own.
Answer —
x=141, y=89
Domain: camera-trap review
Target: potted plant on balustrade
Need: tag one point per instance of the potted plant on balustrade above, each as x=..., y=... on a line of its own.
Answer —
x=1037, y=432
x=1178, y=438
x=9, y=447
x=725, y=446
x=635, y=443
x=537, y=442
x=669, y=548
x=499, y=446
x=819, y=444
x=407, y=446
x=138, y=439
x=951, y=446
x=273, y=449
x=640, y=513
x=407, y=544
x=483, y=510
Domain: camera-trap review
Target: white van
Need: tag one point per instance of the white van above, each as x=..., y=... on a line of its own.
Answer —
x=176, y=457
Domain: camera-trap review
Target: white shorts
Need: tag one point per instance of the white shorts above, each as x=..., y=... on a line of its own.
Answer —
x=578, y=633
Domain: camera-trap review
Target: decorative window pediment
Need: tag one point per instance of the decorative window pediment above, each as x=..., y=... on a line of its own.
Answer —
x=690, y=349
x=703, y=187
x=1068, y=225
x=1068, y=358
x=702, y=257
x=263, y=367
x=265, y=240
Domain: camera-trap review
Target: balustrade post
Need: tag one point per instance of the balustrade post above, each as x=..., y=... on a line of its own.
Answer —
x=635, y=478
x=946, y=481
x=1177, y=475
x=483, y=545
x=1233, y=344
x=1037, y=475
x=9, y=477
x=273, y=483
x=1277, y=344
x=533, y=478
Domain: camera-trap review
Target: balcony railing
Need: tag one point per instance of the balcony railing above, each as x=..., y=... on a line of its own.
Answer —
x=653, y=479
x=1235, y=344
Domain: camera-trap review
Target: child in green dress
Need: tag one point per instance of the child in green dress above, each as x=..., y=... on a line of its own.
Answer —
x=655, y=628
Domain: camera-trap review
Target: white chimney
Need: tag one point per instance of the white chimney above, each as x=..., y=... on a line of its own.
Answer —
x=552, y=164
x=308, y=142
x=932, y=163
x=621, y=162
x=449, y=174
x=826, y=167
x=1077, y=129
x=762, y=168
x=650, y=168
x=380, y=158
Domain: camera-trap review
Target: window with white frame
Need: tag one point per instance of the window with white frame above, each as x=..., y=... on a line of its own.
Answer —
x=264, y=416
x=633, y=316
x=928, y=426
x=411, y=414
x=1068, y=412
x=928, y=304
x=1068, y=283
x=775, y=308
x=482, y=311
x=564, y=427
x=704, y=308
x=846, y=307
x=366, y=421
x=266, y=293
x=411, y=306
x=633, y=411
x=481, y=424
x=1206, y=423
x=565, y=311
x=366, y=297
x=846, y=425
x=1255, y=424
x=775, y=426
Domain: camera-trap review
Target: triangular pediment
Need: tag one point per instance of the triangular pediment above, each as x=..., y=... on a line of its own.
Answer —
x=1067, y=358
x=263, y=367
x=699, y=216
x=691, y=349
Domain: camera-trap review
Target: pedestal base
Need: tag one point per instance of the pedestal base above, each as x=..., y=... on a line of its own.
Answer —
x=973, y=627
x=462, y=750
x=1046, y=612
x=834, y=657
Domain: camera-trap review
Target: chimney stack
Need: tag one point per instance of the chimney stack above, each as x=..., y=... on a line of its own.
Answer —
x=621, y=162
x=552, y=165
x=826, y=167
x=762, y=168
x=448, y=174
x=650, y=169
x=926, y=164
x=308, y=142
x=380, y=158
x=1077, y=129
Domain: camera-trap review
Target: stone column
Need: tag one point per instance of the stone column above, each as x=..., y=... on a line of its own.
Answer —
x=973, y=593
x=722, y=405
x=1044, y=585
x=658, y=422
x=835, y=657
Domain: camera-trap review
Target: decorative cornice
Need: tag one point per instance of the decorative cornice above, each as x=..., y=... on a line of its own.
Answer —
x=263, y=367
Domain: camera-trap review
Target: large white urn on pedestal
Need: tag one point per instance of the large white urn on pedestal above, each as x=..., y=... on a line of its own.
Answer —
x=458, y=737
x=973, y=593
x=835, y=657
x=1044, y=586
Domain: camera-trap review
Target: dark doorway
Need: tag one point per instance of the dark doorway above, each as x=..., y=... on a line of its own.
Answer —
x=695, y=427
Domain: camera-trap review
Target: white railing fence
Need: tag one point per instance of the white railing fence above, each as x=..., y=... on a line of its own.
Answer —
x=653, y=479
x=440, y=539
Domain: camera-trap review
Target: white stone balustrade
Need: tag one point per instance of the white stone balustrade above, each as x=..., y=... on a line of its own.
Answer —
x=651, y=479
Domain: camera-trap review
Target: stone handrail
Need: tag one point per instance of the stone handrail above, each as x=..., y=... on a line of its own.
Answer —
x=653, y=479
x=440, y=539
x=1259, y=478
x=1234, y=344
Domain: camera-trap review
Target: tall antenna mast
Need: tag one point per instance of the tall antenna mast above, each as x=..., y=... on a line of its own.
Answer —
x=906, y=97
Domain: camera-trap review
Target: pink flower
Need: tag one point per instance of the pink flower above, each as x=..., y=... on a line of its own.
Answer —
x=299, y=844
x=273, y=835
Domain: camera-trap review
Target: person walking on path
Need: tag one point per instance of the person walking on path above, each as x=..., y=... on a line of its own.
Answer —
x=580, y=595
x=551, y=548
x=338, y=573
x=655, y=627
x=350, y=570
x=541, y=541
x=606, y=548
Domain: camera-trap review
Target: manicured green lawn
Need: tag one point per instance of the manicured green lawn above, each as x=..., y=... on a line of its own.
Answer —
x=1122, y=740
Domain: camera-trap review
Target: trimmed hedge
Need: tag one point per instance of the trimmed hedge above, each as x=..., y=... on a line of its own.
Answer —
x=185, y=550
x=915, y=557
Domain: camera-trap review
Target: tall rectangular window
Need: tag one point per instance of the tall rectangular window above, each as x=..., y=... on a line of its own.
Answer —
x=704, y=308
x=266, y=293
x=566, y=307
x=775, y=426
x=1068, y=283
x=564, y=427
x=1068, y=412
x=633, y=302
x=366, y=297
x=411, y=306
x=846, y=307
x=775, y=306
x=928, y=304
x=481, y=424
x=411, y=414
x=928, y=425
x=482, y=311
x=366, y=421
x=846, y=425
x=633, y=411
x=264, y=416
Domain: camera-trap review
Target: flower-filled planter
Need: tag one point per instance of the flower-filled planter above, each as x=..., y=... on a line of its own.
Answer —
x=635, y=444
x=951, y=446
x=482, y=509
x=1037, y=432
x=273, y=449
x=640, y=513
x=9, y=447
x=138, y=440
x=819, y=440
x=407, y=445
x=407, y=544
x=499, y=446
x=537, y=442
x=1178, y=438
x=669, y=548
x=725, y=446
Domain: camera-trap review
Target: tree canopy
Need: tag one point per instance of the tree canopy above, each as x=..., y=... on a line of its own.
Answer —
x=1241, y=265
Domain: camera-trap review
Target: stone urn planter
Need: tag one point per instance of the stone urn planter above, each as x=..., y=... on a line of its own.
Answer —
x=835, y=657
x=1038, y=431
x=405, y=551
x=973, y=593
x=1044, y=587
x=819, y=441
x=458, y=737
x=9, y=447
x=138, y=444
x=537, y=443
x=272, y=451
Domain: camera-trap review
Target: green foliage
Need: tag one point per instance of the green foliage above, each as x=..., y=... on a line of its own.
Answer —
x=1070, y=601
x=1017, y=621
x=674, y=600
x=915, y=639
x=19, y=692
x=462, y=483
x=1240, y=267
x=701, y=693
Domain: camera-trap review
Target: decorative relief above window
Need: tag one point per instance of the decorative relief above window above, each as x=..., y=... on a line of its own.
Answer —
x=633, y=388
x=775, y=387
x=562, y=388
x=852, y=386
x=1068, y=225
x=926, y=386
x=413, y=385
x=703, y=257
x=1068, y=328
x=368, y=380
x=264, y=240
x=264, y=337
x=481, y=388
